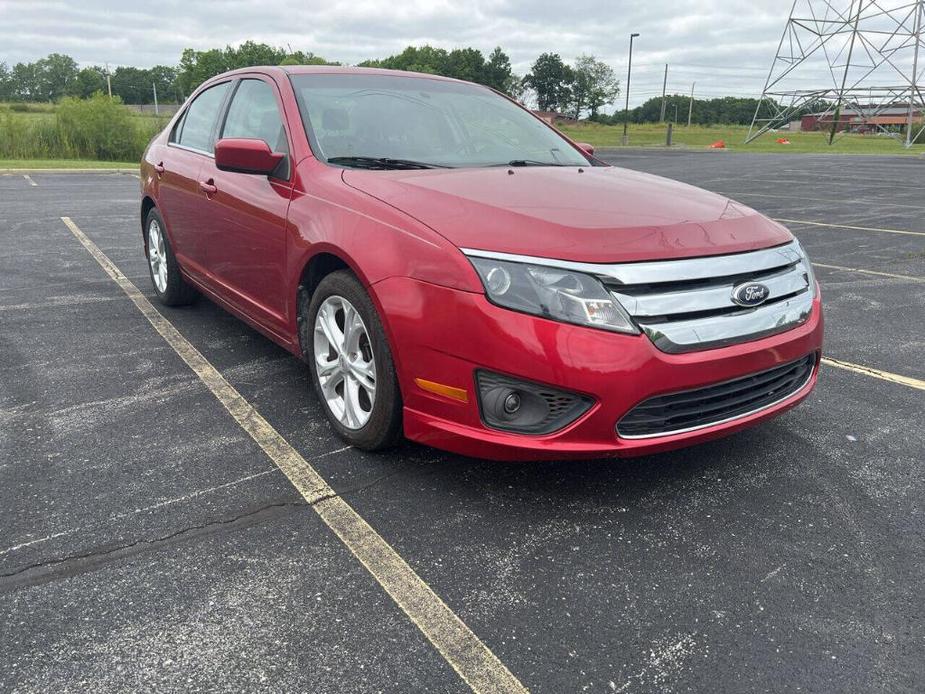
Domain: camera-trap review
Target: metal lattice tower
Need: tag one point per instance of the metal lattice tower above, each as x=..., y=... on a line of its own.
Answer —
x=851, y=61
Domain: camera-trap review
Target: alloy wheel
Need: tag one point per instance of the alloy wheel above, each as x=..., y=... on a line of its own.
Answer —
x=344, y=362
x=157, y=256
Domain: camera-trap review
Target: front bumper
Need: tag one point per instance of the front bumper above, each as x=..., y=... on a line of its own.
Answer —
x=443, y=335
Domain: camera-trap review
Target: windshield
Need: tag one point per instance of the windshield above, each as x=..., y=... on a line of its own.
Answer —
x=386, y=121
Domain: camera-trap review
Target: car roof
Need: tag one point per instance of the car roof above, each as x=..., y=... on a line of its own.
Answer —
x=281, y=70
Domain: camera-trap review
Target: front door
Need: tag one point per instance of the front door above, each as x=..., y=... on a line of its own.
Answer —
x=247, y=224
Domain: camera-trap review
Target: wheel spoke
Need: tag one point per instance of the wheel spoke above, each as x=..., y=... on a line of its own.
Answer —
x=329, y=384
x=329, y=329
x=365, y=374
x=352, y=409
x=349, y=327
x=326, y=367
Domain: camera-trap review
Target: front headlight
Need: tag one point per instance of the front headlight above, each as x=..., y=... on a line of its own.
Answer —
x=562, y=295
x=807, y=268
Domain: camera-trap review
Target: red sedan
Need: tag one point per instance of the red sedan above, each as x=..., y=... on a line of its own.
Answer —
x=454, y=270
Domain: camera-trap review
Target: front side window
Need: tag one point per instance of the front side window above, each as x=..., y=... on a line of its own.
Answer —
x=199, y=121
x=254, y=115
x=434, y=122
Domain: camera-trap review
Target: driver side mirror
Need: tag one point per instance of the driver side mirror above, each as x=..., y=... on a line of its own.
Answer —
x=246, y=156
x=586, y=148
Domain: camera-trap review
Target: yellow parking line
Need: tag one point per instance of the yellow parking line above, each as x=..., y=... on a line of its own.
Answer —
x=871, y=272
x=847, y=226
x=29, y=180
x=875, y=373
x=463, y=650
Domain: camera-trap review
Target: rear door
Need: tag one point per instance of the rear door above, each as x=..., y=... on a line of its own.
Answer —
x=181, y=201
x=247, y=212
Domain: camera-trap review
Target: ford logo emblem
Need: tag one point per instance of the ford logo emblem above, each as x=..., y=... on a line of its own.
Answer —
x=750, y=294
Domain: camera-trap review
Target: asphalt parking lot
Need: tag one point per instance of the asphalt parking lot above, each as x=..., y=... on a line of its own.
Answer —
x=148, y=542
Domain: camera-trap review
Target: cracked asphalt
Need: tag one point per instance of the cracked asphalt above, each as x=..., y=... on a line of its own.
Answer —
x=148, y=543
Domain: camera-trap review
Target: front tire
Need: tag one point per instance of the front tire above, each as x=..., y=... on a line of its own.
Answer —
x=168, y=283
x=351, y=365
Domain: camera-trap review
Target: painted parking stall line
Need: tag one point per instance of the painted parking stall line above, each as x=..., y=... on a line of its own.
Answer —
x=472, y=660
x=847, y=226
x=875, y=373
x=29, y=180
x=910, y=278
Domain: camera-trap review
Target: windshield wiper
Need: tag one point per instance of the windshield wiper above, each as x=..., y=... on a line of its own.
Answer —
x=531, y=162
x=383, y=163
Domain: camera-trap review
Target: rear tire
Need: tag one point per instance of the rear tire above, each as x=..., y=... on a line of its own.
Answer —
x=351, y=364
x=168, y=282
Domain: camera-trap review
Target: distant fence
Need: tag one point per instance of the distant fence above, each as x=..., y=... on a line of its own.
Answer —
x=148, y=109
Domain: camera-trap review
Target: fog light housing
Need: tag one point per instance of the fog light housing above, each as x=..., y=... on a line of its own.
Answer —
x=511, y=404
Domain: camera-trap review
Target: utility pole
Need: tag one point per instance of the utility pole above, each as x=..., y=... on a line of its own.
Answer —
x=108, y=81
x=154, y=87
x=690, y=105
x=844, y=79
x=917, y=32
x=626, y=110
x=664, y=88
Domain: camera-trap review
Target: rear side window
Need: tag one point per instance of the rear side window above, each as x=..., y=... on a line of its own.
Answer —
x=253, y=114
x=199, y=121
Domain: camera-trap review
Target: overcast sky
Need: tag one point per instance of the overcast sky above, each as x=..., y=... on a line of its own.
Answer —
x=726, y=46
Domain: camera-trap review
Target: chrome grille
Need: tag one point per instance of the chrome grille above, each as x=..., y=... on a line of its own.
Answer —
x=687, y=305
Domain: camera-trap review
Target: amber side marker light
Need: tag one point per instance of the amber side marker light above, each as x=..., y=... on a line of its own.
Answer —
x=458, y=394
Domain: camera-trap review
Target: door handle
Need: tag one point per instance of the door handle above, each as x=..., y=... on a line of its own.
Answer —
x=208, y=187
x=159, y=168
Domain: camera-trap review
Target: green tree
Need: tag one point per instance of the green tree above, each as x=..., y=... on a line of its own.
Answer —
x=88, y=81
x=498, y=73
x=24, y=81
x=131, y=85
x=466, y=64
x=55, y=76
x=460, y=63
x=165, y=77
x=6, y=83
x=551, y=80
x=427, y=59
x=136, y=86
x=594, y=86
x=727, y=110
x=303, y=58
x=197, y=66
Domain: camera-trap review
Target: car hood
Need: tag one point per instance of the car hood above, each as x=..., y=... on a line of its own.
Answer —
x=598, y=215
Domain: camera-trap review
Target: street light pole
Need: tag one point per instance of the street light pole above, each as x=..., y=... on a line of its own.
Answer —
x=690, y=105
x=626, y=110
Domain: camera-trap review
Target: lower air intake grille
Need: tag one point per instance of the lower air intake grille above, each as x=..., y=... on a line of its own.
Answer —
x=702, y=407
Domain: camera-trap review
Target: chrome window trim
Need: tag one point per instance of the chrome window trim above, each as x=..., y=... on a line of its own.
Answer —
x=686, y=430
x=191, y=149
x=657, y=271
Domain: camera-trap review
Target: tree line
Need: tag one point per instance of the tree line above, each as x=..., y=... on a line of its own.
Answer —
x=583, y=88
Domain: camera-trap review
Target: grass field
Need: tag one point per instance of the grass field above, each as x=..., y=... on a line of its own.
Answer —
x=698, y=136
x=97, y=129
x=16, y=164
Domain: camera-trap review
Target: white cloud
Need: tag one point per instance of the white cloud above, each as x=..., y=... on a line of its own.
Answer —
x=726, y=46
